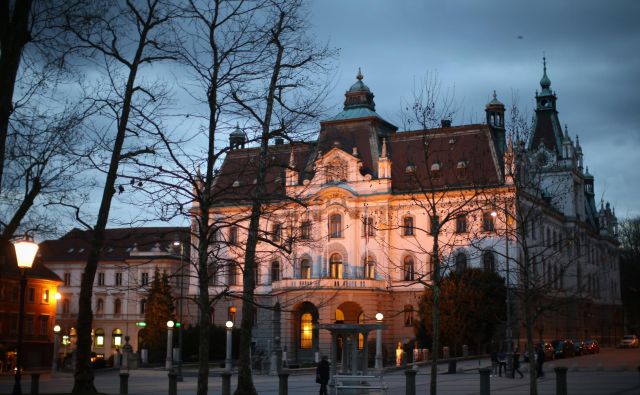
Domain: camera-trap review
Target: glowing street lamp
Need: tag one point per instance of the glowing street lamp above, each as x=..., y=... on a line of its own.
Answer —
x=227, y=361
x=169, y=361
x=25, y=254
x=56, y=345
x=379, y=318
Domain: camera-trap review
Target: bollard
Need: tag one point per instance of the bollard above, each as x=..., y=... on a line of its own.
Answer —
x=452, y=366
x=226, y=383
x=561, y=380
x=124, y=383
x=35, y=383
x=411, y=381
x=485, y=384
x=173, y=382
x=283, y=388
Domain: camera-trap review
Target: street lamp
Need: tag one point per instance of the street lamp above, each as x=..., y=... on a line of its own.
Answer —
x=227, y=361
x=56, y=345
x=169, y=361
x=379, y=318
x=25, y=253
x=181, y=284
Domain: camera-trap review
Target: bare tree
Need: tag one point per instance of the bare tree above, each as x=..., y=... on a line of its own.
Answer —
x=120, y=39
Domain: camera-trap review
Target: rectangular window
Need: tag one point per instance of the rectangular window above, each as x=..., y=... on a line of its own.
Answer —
x=144, y=280
x=45, y=296
x=32, y=295
x=407, y=226
x=488, y=223
x=461, y=224
x=67, y=279
x=368, y=228
x=233, y=235
x=101, y=279
x=28, y=325
x=305, y=230
x=118, y=281
x=408, y=316
x=276, y=232
x=44, y=325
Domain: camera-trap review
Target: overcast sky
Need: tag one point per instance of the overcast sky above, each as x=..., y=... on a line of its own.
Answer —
x=593, y=58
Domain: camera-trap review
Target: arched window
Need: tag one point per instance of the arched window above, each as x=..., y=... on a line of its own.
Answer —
x=461, y=262
x=116, y=338
x=117, y=307
x=339, y=316
x=275, y=271
x=489, y=261
x=335, y=226
x=407, y=226
x=305, y=268
x=99, y=338
x=99, y=306
x=408, y=268
x=143, y=306
x=369, y=267
x=306, y=331
x=335, y=263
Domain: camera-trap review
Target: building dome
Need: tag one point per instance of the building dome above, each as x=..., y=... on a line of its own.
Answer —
x=359, y=86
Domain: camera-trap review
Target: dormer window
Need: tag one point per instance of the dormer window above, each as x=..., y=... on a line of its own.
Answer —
x=336, y=171
x=461, y=170
x=435, y=171
x=410, y=169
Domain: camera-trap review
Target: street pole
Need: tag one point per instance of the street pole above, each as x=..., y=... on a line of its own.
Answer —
x=56, y=348
x=179, y=376
x=379, y=318
x=17, y=388
x=508, y=331
x=227, y=361
x=169, y=361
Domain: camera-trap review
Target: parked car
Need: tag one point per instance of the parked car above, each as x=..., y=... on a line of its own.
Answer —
x=563, y=348
x=629, y=341
x=549, y=352
x=592, y=346
x=578, y=347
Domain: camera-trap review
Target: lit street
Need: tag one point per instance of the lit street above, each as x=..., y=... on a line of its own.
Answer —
x=610, y=372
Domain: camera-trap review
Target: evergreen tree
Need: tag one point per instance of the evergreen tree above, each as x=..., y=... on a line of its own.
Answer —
x=158, y=310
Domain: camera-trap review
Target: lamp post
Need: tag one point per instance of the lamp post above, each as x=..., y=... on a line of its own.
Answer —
x=56, y=345
x=176, y=244
x=25, y=253
x=508, y=334
x=379, y=318
x=169, y=361
x=227, y=361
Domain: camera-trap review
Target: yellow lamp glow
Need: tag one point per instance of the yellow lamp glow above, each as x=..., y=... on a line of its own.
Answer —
x=58, y=296
x=379, y=317
x=170, y=324
x=229, y=324
x=25, y=253
x=56, y=329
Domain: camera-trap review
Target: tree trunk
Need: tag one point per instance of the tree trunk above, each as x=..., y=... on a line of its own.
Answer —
x=435, y=311
x=203, y=303
x=15, y=35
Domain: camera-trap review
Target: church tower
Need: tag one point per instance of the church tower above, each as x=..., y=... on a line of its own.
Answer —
x=495, y=119
x=547, y=129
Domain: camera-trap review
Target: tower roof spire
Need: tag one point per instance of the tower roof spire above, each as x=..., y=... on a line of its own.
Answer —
x=545, y=82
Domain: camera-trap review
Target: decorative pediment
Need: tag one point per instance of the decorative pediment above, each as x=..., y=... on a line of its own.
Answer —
x=336, y=166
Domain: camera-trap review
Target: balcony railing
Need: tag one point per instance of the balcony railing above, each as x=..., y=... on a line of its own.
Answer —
x=328, y=283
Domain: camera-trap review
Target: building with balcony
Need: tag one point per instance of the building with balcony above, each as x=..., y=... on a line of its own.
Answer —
x=349, y=223
x=40, y=312
x=125, y=272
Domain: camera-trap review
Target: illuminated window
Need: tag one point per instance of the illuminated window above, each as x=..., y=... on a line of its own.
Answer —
x=306, y=331
x=99, y=333
x=116, y=337
x=45, y=296
x=407, y=226
x=335, y=263
x=335, y=226
x=369, y=268
x=488, y=223
x=360, y=335
x=305, y=269
x=409, y=269
x=339, y=316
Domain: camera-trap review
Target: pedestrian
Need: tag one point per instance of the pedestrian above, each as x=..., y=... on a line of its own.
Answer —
x=502, y=363
x=539, y=361
x=494, y=363
x=322, y=374
x=516, y=364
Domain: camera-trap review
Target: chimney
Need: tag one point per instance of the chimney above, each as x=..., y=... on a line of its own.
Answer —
x=445, y=123
x=279, y=141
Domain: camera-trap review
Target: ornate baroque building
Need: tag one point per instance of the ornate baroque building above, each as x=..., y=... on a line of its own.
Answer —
x=362, y=242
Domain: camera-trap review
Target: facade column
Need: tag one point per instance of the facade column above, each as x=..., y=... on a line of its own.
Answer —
x=365, y=353
x=354, y=353
x=334, y=353
x=378, y=365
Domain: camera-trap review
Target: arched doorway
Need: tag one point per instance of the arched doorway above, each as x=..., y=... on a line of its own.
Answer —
x=305, y=331
x=348, y=313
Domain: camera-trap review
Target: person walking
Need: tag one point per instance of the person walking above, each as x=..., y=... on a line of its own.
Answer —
x=539, y=361
x=494, y=363
x=502, y=363
x=322, y=375
x=516, y=364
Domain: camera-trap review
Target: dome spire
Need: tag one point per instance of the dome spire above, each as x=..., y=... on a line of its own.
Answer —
x=545, y=82
x=359, y=76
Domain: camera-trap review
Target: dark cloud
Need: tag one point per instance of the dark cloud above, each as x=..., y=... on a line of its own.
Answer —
x=591, y=48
